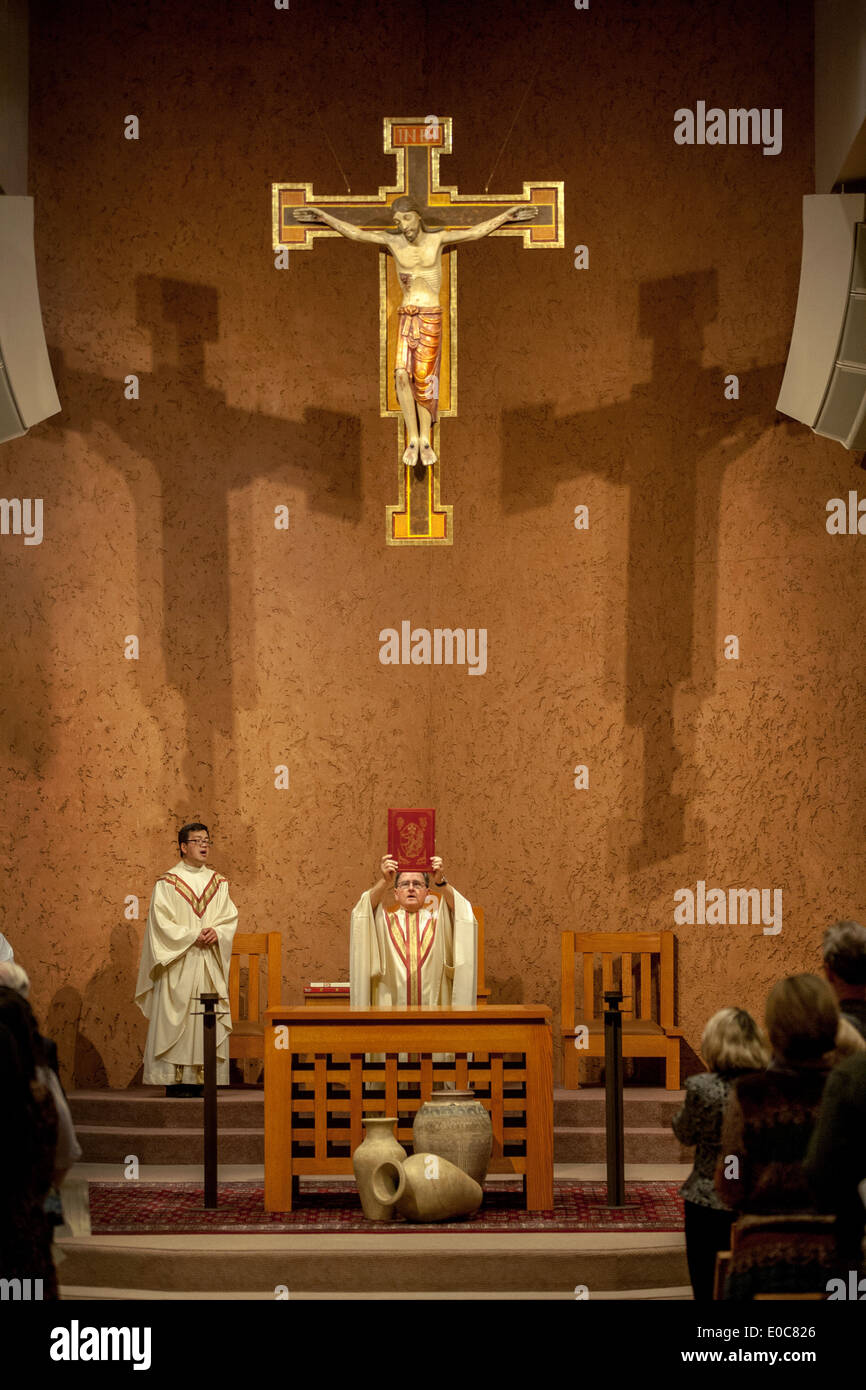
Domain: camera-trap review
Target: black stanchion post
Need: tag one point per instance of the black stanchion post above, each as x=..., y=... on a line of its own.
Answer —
x=210, y=1002
x=613, y=1098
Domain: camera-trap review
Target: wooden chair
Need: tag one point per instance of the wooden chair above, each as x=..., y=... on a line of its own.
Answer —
x=648, y=1004
x=784, y=1232
x=246, y=1040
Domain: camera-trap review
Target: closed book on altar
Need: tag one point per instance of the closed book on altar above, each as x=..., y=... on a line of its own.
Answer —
x=412, y=839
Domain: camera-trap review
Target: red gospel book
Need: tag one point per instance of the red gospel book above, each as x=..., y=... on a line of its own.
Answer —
x=412, y=839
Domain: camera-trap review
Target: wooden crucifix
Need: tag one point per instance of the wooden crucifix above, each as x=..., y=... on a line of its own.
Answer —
x=420, y=223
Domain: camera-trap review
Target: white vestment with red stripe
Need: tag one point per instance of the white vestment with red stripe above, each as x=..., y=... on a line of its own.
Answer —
x=174, y=972
x=399, y=958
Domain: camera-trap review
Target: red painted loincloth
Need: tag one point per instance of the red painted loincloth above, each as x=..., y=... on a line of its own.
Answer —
x=419, y=353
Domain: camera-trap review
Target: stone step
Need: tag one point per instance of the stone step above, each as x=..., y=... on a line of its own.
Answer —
x=649, y=1106
x=554, y=1264
x=148, y=1107
x=116, y=1143
x=112, y=1125
x=648, y=1144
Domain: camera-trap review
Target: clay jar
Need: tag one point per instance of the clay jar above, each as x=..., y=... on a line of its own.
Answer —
x=378, y=1145
x=426, y=1188
x=454, y=1125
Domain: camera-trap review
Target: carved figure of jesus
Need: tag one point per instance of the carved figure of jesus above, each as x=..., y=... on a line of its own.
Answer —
x=417, y=254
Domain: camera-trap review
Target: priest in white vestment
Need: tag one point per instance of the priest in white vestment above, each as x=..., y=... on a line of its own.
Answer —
x=423, y=950
x=186, y=952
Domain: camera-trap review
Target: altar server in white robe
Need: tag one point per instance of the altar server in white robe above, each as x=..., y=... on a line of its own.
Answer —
x=186, y=952
x=421, y=951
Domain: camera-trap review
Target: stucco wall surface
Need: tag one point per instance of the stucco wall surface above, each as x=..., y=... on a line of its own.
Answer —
x=602, y=387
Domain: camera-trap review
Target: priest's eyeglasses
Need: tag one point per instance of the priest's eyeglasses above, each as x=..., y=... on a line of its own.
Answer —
x=193, y=840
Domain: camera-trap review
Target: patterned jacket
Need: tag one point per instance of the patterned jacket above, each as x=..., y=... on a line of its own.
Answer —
x=700, y=1123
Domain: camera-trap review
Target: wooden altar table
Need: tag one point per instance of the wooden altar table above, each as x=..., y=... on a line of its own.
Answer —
x=321, y=1078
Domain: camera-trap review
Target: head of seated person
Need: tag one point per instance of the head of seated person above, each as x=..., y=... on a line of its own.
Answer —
x=733, y=1043
x=802, y=1017
x=844, y=950
x=14, y=976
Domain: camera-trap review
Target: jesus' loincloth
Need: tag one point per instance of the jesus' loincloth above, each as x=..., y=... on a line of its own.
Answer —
x=419, y=352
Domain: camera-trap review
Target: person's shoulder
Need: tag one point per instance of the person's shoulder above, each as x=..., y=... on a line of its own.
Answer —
x=702, y=1083
x=752, y=1085
x=170, y=875
x=850, y=1074
x=707, y=1088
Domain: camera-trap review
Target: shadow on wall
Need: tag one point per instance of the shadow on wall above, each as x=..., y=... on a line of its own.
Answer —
x=188, y=459
x=105, y=1010
x=669, y=443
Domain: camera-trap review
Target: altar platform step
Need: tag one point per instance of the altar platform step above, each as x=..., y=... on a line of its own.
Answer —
x=374, y=1266
x=142, y=1122
x=78, y=1295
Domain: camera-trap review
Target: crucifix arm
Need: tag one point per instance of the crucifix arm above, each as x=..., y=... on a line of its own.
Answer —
x=519, y=213
x=346, y=229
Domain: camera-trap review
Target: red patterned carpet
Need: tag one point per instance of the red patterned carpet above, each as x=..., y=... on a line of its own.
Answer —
x=139, y=1208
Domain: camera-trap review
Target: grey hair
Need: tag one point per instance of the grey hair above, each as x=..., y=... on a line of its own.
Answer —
x=845, y=951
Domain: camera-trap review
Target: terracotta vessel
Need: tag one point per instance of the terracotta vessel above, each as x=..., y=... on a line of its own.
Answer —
x=454, y=1125
x=378, y=1145
x=426, y=1188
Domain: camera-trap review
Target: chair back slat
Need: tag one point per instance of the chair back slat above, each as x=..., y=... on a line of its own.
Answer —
x=646, y=985
x=606, y=973
x=588, y=987
x=275, y=970
x=666, y=981
x=567, y=948
x=253, y=988
x=627, y=986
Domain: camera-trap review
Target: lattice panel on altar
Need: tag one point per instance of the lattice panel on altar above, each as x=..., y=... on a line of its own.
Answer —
x=332, y=1094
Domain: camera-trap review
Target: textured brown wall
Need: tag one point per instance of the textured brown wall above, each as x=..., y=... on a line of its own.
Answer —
x=259, y=387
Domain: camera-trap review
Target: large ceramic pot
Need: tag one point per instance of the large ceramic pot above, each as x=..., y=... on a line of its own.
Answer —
x=378, y=1145
x=426, y=1188
x=454, y=1125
